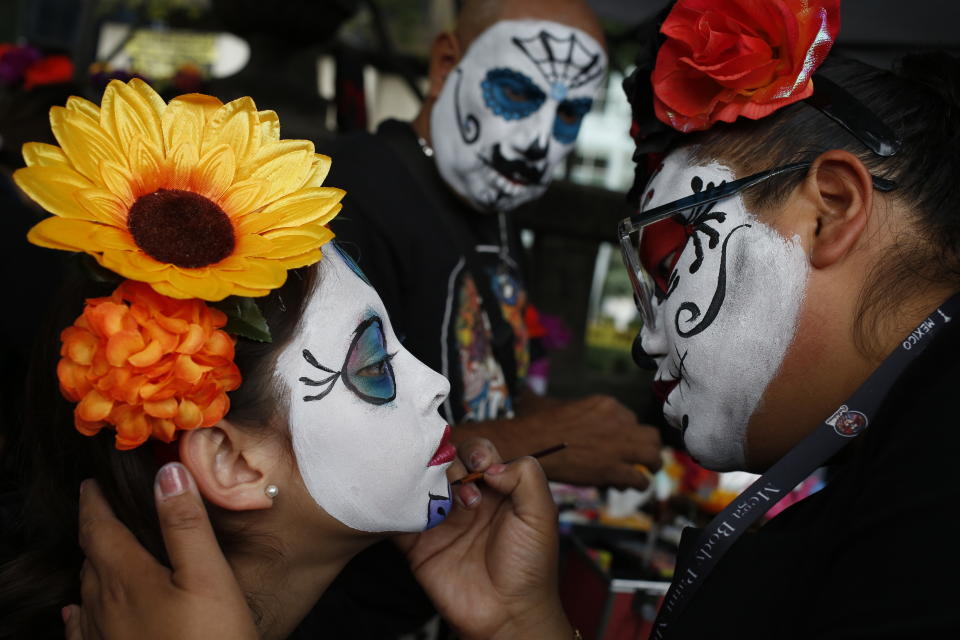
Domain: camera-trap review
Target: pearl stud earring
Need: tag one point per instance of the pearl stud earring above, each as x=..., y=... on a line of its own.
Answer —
x=272, y=490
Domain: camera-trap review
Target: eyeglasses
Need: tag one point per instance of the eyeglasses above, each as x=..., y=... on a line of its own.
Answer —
x=652, y=279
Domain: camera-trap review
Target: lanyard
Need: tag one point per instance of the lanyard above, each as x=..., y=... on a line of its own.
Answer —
x=845, y=424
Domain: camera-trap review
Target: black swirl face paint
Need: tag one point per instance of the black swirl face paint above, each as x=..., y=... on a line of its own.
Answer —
x=729, y=292
x=468, y=125
x=716, y=301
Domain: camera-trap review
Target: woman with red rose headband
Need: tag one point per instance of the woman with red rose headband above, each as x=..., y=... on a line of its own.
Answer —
x=795, y=258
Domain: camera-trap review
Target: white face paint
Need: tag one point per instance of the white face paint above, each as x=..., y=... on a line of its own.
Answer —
x=727, y=320
x=370, y=444
x=511, y=110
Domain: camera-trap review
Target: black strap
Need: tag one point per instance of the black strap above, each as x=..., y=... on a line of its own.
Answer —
x=401, y=139
x=837, y=431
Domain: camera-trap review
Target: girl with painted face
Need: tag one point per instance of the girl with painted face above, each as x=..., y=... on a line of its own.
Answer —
x=332, y=442
x=309, y=443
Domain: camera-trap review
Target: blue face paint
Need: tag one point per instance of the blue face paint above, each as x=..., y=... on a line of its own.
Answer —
x=350, y=263
x=570, y=115
x=367, y=371
x=510, y=94
x=438, y=508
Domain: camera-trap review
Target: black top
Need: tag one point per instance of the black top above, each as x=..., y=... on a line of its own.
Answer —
x=874, y=553
x=434, y=260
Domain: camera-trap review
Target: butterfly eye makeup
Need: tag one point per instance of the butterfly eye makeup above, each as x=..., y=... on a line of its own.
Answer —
x=366, y=371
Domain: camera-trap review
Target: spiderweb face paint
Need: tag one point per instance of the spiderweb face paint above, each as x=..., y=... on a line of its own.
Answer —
x=511, y=110
x=731, y=292
x=363, y=411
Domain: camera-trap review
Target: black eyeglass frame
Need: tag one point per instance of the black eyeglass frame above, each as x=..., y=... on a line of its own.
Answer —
x=643, y=286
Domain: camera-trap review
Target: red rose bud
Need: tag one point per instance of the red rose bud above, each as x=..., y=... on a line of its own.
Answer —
x=49, y=70
x=728, y=58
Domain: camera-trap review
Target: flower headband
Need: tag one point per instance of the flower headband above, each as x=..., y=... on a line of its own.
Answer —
x=723, y=59
x=192, y=202
x=718, y=60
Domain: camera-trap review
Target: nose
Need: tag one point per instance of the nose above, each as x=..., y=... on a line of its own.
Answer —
x=531, y=141
x=651, y=343
x=640, y=357
x=439, y=389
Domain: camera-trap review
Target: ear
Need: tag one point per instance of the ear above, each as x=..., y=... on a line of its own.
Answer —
x=444, y=56
x=227, y=466
x=840, y=189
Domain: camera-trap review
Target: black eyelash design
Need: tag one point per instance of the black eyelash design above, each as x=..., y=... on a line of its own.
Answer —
x=679, y=374
x=330, y=380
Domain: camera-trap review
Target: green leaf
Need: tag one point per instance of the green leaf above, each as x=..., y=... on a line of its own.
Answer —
x=244, y=318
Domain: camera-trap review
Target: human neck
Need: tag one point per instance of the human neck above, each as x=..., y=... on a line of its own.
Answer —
x=832, y=355
x=286, y=575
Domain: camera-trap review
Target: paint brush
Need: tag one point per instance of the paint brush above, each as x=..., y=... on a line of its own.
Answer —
x=537, y=454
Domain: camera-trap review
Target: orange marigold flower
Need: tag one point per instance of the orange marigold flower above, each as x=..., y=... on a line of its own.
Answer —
x=147, y=364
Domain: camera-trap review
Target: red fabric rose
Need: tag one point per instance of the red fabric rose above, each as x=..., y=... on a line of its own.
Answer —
x=49, y=70
x=727, y=58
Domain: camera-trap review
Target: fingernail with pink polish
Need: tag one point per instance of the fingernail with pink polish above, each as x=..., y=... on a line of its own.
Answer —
x=477, y=458
x=469, y=494
x=494, y=469
x=172, y=480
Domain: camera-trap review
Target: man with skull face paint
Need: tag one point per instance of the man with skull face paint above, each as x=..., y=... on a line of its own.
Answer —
x=427, y=220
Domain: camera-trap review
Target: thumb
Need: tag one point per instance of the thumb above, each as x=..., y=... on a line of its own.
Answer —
x=524, y=482
x=72, y=623
x=195, y=556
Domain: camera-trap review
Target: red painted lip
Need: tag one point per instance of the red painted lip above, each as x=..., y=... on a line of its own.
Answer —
x=662, y=388
x=445, y=452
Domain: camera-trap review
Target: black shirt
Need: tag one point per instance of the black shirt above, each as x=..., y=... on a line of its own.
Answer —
x=872, y=555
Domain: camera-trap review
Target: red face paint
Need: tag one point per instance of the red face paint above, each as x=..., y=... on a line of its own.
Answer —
x=660, y=249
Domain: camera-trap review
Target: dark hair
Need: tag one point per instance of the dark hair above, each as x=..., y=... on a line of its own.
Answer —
x=920, y=100
x=51, y=458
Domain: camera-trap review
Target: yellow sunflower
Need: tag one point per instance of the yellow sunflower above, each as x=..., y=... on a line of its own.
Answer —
x=198, y=198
